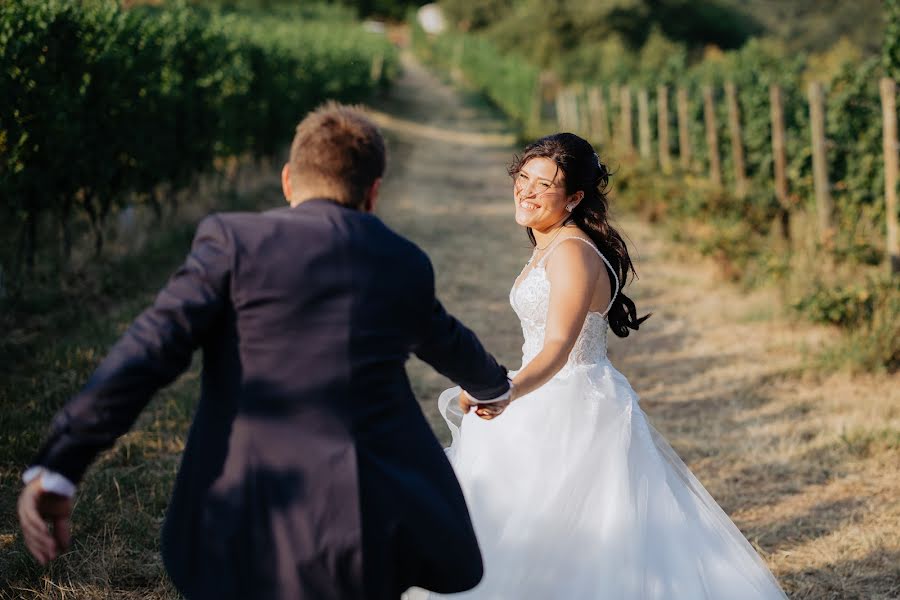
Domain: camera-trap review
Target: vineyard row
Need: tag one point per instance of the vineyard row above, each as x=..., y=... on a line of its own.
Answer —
x=103, y=106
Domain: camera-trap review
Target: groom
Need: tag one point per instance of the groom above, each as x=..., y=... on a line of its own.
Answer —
x=309, y=471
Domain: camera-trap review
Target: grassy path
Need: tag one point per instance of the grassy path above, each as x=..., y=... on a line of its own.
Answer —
x=806, y=463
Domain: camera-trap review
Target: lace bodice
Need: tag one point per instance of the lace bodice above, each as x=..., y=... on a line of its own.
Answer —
x=530, y=299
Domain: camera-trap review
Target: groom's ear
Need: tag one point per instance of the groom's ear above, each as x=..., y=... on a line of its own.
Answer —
x=286, y=182
x=372, y=196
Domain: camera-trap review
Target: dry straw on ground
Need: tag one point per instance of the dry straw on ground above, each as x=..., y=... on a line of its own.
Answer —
x=805, y=462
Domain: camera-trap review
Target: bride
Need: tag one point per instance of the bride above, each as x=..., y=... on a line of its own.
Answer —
x=573, y=494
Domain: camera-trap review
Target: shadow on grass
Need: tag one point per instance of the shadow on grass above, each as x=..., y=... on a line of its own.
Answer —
x=819, y=521
x=873, y=577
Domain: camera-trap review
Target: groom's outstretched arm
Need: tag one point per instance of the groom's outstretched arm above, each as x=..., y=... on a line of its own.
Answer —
x=155, y=350
x=456, y=353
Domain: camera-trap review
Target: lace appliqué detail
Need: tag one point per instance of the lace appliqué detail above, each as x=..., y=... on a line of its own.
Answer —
x=531, y=301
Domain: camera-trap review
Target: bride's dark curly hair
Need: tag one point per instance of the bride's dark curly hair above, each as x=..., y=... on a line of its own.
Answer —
x=584, y=172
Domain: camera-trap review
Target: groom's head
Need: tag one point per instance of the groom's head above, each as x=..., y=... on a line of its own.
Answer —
x=337, y=153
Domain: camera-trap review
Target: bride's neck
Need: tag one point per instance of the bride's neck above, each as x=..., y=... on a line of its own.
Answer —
x=542, y=237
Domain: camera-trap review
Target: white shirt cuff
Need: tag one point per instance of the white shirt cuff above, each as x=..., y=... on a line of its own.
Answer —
x=51, y=481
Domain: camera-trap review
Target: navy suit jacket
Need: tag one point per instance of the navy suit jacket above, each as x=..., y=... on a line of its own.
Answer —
x=309, y=470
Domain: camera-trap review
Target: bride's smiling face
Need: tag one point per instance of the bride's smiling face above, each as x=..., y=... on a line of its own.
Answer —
x=539, y=190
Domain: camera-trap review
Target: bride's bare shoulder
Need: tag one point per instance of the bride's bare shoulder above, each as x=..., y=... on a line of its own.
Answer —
x=573, y=255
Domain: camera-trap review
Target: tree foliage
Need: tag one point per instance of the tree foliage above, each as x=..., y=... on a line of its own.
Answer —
x=569, y=32
x=815, y=25
x=389, y=9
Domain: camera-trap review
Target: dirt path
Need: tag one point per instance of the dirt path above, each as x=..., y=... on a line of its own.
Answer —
x=806, y=464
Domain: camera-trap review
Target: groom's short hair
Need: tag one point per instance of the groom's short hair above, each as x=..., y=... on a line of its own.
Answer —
x=339, y=151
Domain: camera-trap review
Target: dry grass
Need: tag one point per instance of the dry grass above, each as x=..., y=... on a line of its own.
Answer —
x=122, y=501
x=805, y=461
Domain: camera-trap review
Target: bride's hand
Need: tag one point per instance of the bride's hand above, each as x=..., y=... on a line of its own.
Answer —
x=485, y=411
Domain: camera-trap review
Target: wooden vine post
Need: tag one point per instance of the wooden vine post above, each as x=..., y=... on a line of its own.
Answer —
x=599, y=115
x=627, y=133
x=889, y=112
x=737, y=144
x=779, y=158
x=558, y=105
x=684, y=137
x=616, y=115
x=644, y=142
x=662, y=128
x=824, y=203
x=579, y=108
x=562, y=110
x=712, y=136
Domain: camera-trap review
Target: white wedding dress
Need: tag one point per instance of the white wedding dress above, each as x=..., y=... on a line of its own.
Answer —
x=574, y=495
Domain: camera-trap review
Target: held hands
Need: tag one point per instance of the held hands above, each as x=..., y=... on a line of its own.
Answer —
x=35, y=508
x=485, y=411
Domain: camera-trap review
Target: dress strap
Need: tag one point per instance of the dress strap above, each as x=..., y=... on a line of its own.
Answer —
x=600, y=254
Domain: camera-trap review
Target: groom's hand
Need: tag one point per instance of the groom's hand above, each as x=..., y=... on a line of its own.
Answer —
x=36, y=507
x=485, y=411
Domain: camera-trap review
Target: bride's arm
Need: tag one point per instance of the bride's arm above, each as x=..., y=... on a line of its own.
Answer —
x=573, y=269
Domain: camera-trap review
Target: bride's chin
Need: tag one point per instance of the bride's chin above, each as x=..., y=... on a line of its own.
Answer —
x=524, y=221
x=524, y=218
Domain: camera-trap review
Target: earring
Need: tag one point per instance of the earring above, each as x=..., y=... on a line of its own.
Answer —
x=570, y=206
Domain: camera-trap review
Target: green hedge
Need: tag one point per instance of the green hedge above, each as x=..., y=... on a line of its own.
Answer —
x=100, y=103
